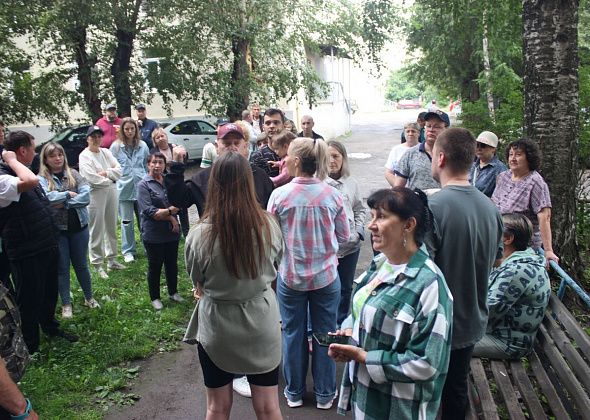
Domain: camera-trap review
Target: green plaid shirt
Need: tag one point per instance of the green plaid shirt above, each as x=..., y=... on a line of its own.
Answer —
x=405, y=326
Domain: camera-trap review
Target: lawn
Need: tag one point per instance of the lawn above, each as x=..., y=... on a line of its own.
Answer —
x=81, y=380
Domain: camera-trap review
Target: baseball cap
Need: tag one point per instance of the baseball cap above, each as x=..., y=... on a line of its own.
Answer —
x=489, y=138
x=94, y=129
x=111, y=106
x=225, y=129
x=440, y=115
x=140, y=106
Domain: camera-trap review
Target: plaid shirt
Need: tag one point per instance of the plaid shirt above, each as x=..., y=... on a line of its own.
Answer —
x=405, y=327
x=312, y=218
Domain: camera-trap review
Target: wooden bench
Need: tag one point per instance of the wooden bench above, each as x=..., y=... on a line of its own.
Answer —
x=552, y=382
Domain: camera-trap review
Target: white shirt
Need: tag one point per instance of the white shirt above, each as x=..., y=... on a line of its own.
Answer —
x=8, y=190
x=395, y=155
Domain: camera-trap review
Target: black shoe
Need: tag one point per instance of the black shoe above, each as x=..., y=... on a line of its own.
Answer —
x=72, y=338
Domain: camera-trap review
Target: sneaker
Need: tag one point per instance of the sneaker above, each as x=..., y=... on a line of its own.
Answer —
x=242, y=387
x=72, y=338
x=101, y=272
x=115, y=265
x=66, y=311
x=294, y=404
x=128, y=258
x=176, y=298
x=157, y=304
x=327, y=405
x=91, y=303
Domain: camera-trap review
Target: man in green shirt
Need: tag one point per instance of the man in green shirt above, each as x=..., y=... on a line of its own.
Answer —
x=465, y=243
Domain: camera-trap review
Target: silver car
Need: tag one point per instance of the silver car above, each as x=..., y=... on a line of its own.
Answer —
x=191, y=133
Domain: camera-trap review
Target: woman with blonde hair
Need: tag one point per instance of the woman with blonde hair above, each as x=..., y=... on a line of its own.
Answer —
x=69, y=194
x=231, y=256
x=312, y=218
x=132, y=153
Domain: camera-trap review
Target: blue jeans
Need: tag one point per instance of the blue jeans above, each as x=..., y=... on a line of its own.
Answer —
x=126, y=213
x=323, y=306
x=73, y=247
x=346, y=271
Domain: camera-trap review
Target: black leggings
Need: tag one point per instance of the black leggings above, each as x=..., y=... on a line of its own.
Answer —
x=216, y=378
x=162, y=254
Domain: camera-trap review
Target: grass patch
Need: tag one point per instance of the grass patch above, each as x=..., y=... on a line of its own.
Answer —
x=82, y=380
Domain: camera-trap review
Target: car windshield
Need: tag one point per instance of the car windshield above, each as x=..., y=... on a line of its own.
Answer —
x=61, y=135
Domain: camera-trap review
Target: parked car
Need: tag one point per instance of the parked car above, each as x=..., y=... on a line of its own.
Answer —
x=72, y=139
x=409, y=104
x=191, y=133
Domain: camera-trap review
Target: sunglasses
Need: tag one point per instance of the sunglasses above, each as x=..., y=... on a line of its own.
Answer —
x=481, y=145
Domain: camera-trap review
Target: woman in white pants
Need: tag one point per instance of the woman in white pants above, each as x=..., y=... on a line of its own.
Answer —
x=102, y=171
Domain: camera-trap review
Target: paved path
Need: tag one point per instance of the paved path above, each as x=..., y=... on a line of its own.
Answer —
x=171, y=384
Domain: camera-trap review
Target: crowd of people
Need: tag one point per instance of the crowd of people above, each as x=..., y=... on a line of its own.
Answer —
x=274, y=253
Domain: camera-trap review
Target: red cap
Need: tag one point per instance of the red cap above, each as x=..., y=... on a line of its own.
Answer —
x=225, y=129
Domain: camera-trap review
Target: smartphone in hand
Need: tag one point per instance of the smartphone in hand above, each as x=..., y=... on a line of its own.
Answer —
x=327, y=339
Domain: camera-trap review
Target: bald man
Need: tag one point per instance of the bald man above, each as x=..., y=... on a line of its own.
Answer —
x=307, y=126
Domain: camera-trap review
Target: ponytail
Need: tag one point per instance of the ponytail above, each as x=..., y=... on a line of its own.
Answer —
x=313, y=154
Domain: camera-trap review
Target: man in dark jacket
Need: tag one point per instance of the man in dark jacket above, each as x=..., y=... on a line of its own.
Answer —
x=30, y=239
x=194, y=191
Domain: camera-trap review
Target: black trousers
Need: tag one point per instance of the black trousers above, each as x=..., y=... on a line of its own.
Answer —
x=454, y=395
x=5, y=271
x=346, y=271
x=162, y=254
x=35, y=283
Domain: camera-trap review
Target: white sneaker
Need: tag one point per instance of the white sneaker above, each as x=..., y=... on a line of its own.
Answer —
x=294, y=404
x=176, y=298
x=128, y=258
x=91, y=303
x=242, y=387
x=327, y=405
x=157, y=304
x=115, y=265
x=66, y=312
x=101, y=272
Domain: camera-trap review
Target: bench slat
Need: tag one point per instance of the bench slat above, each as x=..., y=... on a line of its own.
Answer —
x=578, y=364
x=488, y=406
x=571, y=325
x=566, y=376
x=546, y=386
x=527, y=391
x=506, y=389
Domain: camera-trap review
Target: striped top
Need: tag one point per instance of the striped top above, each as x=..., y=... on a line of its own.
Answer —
x=313, y=221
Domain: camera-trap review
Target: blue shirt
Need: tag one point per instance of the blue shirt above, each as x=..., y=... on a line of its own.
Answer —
x=484, y=179
x=145, y=131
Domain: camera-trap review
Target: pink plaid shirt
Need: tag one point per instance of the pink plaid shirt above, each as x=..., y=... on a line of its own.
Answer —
x=312, y=218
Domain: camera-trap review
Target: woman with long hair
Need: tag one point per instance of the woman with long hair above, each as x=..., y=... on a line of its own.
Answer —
x=132, y=153
x=356, y=213
x=312, y=218
x=231, y=256
x=69, y=194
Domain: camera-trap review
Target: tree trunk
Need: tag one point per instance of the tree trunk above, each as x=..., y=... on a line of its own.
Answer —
x=85, y=65
x=487, y=68
x=551, y=109
x=239, y=98
x=120, y=71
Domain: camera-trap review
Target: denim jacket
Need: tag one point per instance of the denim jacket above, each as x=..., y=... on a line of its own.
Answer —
x=61, y=195
x=133, y=163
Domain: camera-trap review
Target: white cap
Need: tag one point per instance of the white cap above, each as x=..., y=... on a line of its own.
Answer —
x=489, y=138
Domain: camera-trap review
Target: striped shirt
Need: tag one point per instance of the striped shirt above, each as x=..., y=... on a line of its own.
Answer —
x=312, y=218
x=404, y=324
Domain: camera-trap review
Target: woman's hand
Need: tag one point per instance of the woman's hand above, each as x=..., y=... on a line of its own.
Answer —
x=173, y=210
x=550, y=256
x=102, y=173
x=197, y=292
x=274, y=164
x=346, y=353
x=72, y=194
x=178, y=153
x=347, y=332
x=175, y=225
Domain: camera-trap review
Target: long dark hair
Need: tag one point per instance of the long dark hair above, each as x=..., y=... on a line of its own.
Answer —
x=237, y=221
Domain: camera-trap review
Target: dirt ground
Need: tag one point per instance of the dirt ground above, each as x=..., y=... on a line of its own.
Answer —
x=171, y=385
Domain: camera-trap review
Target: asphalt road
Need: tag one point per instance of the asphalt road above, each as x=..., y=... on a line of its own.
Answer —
x=171, y=385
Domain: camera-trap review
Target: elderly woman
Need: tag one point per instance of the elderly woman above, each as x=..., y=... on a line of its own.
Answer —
x=523, y=190
x=132, y=153
x=160, y=230
x=487, y=166
x=518, y=295
x=101, y=170
x=356, y=213
x=401, y=318
x=412, y=136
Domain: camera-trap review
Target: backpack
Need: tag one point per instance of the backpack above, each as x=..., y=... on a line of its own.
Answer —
x=13, y=349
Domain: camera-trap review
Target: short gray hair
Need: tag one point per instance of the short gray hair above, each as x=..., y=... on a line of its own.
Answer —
x=413, y=125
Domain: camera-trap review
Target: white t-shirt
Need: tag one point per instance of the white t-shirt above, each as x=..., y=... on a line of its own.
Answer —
x=8, y=190
x=395, y=155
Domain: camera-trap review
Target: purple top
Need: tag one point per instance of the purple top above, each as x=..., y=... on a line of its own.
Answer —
x=527, y=196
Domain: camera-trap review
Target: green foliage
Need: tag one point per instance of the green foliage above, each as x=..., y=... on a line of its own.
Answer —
x=82, y=380
x=400, y=87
